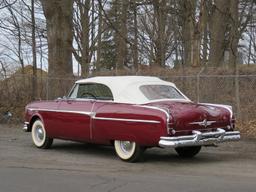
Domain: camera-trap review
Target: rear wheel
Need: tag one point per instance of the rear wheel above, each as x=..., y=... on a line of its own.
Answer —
x=188, y=152
x=128, y=150
x=39, y=136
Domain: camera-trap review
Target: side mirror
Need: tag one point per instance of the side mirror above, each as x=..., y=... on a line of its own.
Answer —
x=58, y=99
x=61, y=98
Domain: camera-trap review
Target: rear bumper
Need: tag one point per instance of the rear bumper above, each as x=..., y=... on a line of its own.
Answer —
x=200, y=139
x=25, y=126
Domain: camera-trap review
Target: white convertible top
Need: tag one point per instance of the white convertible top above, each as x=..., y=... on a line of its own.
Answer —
x=125, y=89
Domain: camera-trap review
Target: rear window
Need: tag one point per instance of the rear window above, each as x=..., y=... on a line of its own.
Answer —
x=155, y=92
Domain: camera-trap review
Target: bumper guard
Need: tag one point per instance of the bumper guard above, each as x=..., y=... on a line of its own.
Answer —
x=25, y=127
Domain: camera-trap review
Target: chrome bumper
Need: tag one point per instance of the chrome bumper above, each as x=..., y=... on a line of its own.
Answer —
x=25, y=127
x=198, y=138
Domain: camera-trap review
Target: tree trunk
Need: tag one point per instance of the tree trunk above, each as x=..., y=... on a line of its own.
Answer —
x=161, y=18
x=85, y=37
x=34, y=79
x=205, y=35
x=121, y=47
x=234, y=34
x=135, y=41
x=58, y=16
x=188, y=11
x=195, y=48
x=218, y=25
x=99, y=36
x=199, y=28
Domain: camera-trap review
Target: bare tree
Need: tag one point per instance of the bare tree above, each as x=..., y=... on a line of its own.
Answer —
x=121, y=35
x=14, y=21
x=34, y=79
x=59, y=16
x=135, y=53
x=188, y=14
x=160, y=14
x=82, y=35
x=99, y=35
x=218, y=28
x=157, y=32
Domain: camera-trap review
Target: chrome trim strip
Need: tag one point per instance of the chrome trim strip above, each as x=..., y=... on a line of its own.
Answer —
x=156, y=108
x=203, y=123
x=61, y=111
x=93, y=114
x=200, y=139
x=159, y=109
x=122, y=119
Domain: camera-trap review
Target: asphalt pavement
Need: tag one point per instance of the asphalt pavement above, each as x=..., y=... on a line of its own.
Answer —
x=70, y=166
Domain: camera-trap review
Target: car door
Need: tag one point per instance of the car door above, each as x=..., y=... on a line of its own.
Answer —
x=74, y=117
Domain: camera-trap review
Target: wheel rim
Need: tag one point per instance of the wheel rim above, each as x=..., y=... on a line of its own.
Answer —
x=38, y=133
x=126, y=146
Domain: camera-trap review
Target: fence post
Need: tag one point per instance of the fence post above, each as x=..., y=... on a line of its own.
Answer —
x=198, y=85
x=237, y=92
x=47, y=88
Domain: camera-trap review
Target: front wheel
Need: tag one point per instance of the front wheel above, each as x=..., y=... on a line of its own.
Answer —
x=188, y=152
x=39, y=136
x=128, y=150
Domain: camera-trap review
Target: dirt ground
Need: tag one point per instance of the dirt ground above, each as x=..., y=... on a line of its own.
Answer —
x=81, y=167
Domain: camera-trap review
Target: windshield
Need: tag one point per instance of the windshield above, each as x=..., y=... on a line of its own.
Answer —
x=155, y=92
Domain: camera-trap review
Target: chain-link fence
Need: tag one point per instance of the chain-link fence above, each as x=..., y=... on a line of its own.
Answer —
x=238, y=91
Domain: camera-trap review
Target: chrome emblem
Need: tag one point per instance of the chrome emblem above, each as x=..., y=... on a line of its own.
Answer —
x=204, y=123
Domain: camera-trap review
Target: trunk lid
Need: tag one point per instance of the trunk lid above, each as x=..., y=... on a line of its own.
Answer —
x=188, y=116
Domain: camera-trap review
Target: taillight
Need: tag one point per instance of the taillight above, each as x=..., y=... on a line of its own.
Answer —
x=232, y=123
x=170, y=128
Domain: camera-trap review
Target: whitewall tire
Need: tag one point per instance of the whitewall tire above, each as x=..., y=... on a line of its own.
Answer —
x=39, y=136
x=128, y=150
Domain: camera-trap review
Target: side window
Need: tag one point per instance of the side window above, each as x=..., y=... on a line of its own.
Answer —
x=85, y=91
x=92, y=91
x=102, y=92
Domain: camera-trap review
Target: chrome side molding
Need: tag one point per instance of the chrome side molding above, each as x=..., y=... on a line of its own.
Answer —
x=200, y=139
x=60, y=111
x=124, y=119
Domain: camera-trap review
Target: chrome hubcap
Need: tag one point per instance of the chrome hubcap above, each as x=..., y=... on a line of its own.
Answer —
x=39, y=133
x=126, y=146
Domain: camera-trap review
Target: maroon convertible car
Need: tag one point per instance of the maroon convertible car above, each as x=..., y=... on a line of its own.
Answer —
x=132, y=113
